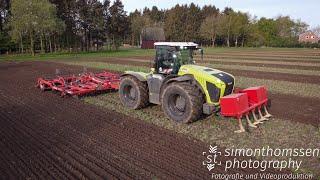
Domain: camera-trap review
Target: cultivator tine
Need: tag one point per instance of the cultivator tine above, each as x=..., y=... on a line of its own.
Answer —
x=241, y=130
x=99, y=87
x=256, y=121
x=268, y=115
x=249, y=122
x=262, y=118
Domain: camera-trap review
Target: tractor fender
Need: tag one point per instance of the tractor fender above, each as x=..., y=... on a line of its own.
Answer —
x=184, y=78
x=181, y=79
x=139, y=75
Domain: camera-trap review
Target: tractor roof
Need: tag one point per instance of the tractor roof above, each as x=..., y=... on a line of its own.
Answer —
x=176, y=44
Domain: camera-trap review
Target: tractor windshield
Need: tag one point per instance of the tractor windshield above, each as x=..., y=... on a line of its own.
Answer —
x=185, y=56
x=170, y=59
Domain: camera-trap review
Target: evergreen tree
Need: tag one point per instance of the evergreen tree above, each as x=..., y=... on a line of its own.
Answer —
x=4, y=11
x=118, y=23
x=67, y=12
x=5, y=41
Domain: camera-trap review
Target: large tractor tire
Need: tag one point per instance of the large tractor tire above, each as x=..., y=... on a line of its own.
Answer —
x=182, y=102
x=133, y=93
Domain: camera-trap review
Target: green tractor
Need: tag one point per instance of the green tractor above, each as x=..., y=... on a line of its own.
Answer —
x=185, y=90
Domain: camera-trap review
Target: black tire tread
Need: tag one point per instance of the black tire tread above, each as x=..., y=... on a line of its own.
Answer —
x=142, y=88
x=196, y=98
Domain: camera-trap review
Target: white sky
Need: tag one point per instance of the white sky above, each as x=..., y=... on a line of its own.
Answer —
x=307, y=10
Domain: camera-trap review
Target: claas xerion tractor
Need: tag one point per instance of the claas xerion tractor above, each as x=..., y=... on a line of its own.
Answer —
x=185, y=90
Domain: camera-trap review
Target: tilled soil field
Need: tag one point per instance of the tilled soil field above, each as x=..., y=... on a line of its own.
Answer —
x=44, y=136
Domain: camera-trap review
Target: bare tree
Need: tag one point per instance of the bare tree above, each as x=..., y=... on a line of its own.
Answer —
x=316, y=30
x=209, y=28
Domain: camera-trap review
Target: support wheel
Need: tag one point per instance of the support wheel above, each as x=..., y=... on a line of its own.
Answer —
x=182, y=102
x=133, y=93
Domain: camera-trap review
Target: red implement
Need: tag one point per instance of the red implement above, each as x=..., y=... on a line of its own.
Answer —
x=246, y=101
x=256, y=95
x=81, y=85
x=258, y=99
x=236, y=105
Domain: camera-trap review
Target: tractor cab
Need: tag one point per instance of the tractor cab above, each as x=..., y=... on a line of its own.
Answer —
x=170, y=56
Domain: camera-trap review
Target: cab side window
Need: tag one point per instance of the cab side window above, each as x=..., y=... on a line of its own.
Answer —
x=164, y=60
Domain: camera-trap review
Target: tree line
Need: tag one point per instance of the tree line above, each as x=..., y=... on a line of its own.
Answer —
x=88, y=25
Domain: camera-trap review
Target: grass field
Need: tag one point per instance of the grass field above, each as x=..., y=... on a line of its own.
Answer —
x=288, y=131
x=64, y=56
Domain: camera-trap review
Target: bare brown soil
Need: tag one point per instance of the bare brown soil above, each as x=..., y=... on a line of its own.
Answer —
x=43, y=136
x=295, y=108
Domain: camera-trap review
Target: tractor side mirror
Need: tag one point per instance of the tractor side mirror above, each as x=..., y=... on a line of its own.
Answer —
x=201, y=52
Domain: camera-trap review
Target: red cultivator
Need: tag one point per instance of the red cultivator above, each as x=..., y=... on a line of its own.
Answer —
x=244, y=102
x=81, y=85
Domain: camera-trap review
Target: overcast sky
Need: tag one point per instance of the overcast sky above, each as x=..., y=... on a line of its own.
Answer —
x=307, y=10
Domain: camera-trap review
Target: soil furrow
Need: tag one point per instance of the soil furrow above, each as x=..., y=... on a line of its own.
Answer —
x=115, y=124
x=62, y=150
x=122, y=135
x=9, y=172
x=295, y=108
x=42, y=167
x=42, y=146
x=20, y=161
x=110, y=144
